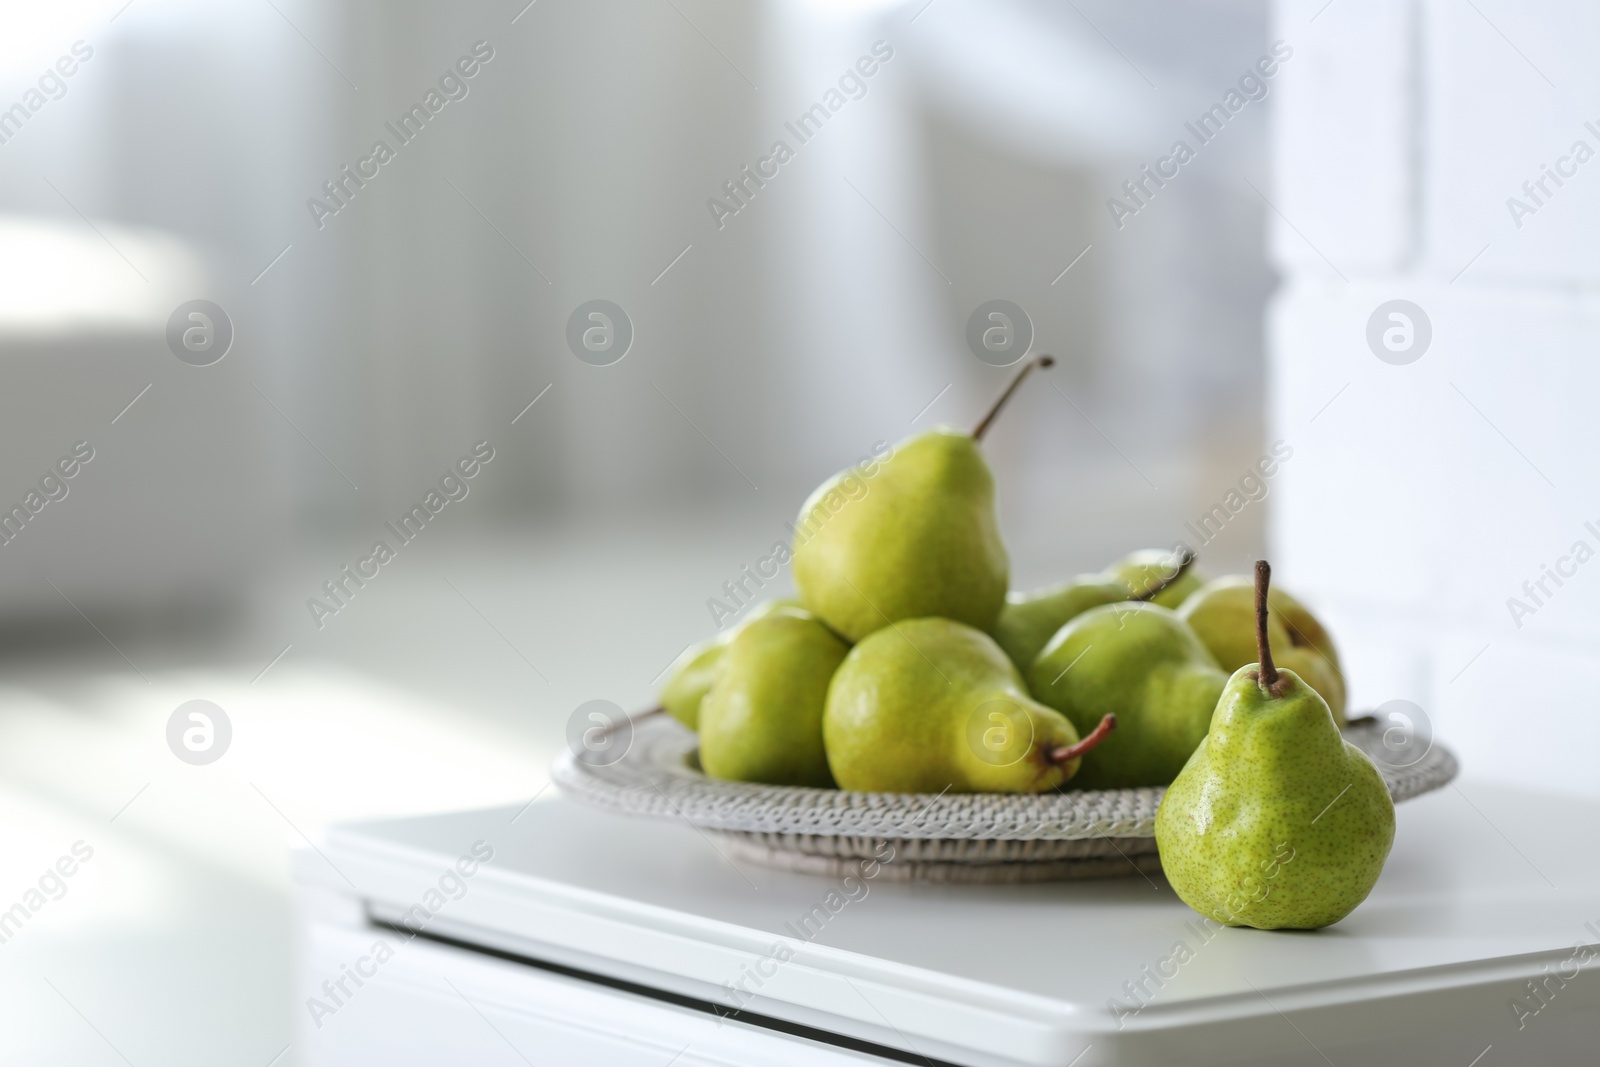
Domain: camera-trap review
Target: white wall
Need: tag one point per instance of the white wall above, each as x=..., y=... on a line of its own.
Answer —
x=1424, y=496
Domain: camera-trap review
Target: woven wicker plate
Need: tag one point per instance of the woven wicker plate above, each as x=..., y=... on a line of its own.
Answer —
x=950, y=837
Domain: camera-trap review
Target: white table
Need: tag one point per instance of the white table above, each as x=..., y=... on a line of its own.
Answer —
x=596, y=939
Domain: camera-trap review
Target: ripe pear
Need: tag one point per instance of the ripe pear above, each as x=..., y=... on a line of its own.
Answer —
x=1029, y=620
x=916, y=537
x=1144, y=570
x=1143, y=663
x=1304, y=628
x=928, y=705
x=1223, y=614
x=1276, y=822
x=762, y=719
x=690, y=676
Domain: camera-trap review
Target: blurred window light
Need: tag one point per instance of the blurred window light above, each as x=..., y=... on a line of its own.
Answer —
x=851, y=8
x=36, y=32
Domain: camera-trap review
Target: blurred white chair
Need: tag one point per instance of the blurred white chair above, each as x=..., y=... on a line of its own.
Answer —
x=174, y=508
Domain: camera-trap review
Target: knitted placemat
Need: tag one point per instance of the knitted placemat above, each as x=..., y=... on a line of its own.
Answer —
x=968, y=837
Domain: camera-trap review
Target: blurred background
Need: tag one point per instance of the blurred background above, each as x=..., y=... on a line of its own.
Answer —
x=374, y=317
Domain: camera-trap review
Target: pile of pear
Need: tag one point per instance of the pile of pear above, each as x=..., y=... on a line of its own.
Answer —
x=905, y=664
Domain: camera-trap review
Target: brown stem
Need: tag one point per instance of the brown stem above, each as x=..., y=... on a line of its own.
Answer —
x=1042, y=362
x=633, y=720
x=1268, y=675
x=1063, y=753
x=1185, y=561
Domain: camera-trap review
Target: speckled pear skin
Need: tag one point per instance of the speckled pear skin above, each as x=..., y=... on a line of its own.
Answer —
x=1146, y=568
x=901, y=706
x=762, y=719
x=917, y=538
x=690, y=677
x=1143, y=663
x=1276, y=822
x=1223, y=613
x=1030, y=620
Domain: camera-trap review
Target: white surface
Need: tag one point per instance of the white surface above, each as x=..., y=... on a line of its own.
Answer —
x=432, y=1004
x=174, y=941
x=1024, y=975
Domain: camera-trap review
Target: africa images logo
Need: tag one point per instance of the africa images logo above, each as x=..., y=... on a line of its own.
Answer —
x=342, y=588
x=741, y=189
x=342, y=189
x=51, y=86
x=1253, y=87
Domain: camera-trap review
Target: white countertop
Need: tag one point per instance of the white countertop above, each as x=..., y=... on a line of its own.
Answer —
x=1486, y=885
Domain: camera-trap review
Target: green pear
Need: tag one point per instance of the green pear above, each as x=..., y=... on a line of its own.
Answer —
x=1276, y=822
x=690, y=676
x=762, y=719
x=1223, y=614
x=917, y=538
x=1304, y=628
x=1029, y=620
x=913, y=536
x=929, y=705
x=1144, y=570
x=1143, y=663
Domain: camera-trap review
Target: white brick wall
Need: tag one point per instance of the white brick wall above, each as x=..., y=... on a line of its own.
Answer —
x=1424, y=496
x=1343, y=135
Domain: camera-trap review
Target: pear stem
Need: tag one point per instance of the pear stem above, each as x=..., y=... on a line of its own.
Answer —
x=1042, y=362
x=1268, y=675
x=632, y=720
x=1063, y=753
x=1185, y=561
